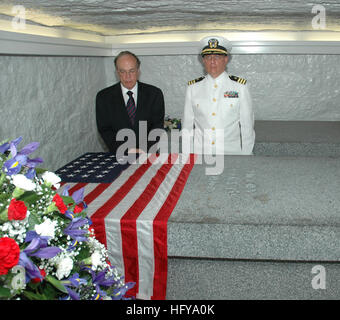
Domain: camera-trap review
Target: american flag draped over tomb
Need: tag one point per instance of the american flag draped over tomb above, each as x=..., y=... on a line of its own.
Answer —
x=129, y=205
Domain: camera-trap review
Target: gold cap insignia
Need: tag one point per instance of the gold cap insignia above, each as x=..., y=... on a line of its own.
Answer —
x=213, y=43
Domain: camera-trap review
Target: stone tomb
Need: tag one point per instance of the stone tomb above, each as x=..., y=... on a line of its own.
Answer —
x=268, y=227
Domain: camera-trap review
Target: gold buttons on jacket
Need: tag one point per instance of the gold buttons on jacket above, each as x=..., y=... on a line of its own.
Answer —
x=213, y=142
x=214, y=100
x=215, y=86
x=213, y=114
x=213, y=128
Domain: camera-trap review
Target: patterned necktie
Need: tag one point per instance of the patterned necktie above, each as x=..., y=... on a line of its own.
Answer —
x=131, y=107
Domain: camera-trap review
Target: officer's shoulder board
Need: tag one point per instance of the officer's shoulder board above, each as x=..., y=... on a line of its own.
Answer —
x=195, y=80
x=238, y=79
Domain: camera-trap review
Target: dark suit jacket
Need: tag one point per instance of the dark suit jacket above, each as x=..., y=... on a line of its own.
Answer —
x=112, y=116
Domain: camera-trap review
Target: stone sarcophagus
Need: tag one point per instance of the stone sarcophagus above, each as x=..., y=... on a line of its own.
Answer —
x=267, y=226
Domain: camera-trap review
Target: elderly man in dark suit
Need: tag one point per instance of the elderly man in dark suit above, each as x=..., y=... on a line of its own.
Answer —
x=129, y=104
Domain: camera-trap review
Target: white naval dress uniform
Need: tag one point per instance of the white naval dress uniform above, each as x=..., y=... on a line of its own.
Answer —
x=218, y=113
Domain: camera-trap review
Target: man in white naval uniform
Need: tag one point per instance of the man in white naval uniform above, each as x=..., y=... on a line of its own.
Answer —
x=218, y=108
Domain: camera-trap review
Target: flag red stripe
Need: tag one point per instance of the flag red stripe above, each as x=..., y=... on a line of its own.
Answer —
x=129, y=225
x=160, y=231
x=96, y=192
x=99, y=216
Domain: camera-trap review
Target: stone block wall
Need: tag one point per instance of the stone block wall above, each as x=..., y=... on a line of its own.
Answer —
x=52, y=99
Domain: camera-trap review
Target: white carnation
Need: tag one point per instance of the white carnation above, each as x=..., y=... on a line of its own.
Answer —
x=96, y=259
x=64, y=267
x=46, y=229
x=51, y=178
x=20, y=181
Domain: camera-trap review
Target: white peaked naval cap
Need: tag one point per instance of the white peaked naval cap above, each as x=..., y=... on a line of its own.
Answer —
x=215, y=45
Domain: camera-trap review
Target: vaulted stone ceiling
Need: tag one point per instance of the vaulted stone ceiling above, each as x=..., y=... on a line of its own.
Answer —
x=119, y=17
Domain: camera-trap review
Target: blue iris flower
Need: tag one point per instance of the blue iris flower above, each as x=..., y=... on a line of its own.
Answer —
x=73, y=281
x=37, y=248
x=77, y=196
x=101, y=279
x=31, y=270
x=5, y=147
x=119, y=293
x=19, y=159
x=73, y=229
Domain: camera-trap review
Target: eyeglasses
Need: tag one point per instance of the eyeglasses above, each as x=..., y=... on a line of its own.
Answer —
x=125, y=72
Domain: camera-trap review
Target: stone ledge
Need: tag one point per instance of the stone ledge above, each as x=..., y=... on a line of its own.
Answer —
x=296, y=149
x=202, y=279
x=295, y=138
x=254, y=242
x=297, y=131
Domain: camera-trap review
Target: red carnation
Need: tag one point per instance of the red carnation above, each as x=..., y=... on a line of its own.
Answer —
x=59, y=203
x=77, y=209
x=9, y=254
x=17, y=210
x=43, y=274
